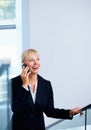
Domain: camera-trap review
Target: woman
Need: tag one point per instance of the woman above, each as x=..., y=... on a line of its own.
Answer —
x=32, y=96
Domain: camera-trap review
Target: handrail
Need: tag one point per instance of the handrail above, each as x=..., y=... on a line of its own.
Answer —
x=86, y=107
x=61, y=120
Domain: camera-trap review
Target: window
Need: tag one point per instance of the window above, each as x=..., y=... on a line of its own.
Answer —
x=7, y=11
x=10, y=39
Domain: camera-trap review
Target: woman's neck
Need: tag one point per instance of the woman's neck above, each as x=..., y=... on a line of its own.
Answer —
x=32, y=81
x=33, y=77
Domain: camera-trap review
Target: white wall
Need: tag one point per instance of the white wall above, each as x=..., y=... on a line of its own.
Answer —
x=61, y=31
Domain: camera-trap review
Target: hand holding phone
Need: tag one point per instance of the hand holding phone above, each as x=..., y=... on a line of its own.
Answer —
x=25, y=75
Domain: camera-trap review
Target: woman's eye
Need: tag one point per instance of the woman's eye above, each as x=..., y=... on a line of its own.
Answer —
x=30, y=60
x=33, y=60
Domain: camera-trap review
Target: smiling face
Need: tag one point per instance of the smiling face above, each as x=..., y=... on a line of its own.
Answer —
x=32, y=60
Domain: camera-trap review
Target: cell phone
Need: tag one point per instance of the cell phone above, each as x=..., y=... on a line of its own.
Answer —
x=24, y=65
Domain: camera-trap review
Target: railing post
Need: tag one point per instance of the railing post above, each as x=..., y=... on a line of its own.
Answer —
x=4, y=67
x=86, y=119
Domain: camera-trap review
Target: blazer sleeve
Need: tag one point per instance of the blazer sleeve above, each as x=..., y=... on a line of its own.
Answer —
x=19, y=97
x=51, y=111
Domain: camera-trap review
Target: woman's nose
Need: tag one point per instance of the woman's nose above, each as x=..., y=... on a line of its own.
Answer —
x=35, y=61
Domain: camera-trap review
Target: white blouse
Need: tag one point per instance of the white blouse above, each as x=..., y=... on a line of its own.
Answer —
x=29, y=88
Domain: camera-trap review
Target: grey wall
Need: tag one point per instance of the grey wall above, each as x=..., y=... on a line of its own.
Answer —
x=61, y=31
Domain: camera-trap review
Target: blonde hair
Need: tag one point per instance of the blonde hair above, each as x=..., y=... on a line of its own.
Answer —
x=27, y=53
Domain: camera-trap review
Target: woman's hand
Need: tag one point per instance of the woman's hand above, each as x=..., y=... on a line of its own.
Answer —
x=75, y=111
x=25, y=76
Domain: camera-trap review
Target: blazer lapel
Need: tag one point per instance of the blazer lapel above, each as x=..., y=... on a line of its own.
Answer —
x=39, y=93
x=31, y=101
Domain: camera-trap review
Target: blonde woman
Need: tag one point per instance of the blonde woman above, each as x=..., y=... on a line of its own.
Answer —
x=32, y=95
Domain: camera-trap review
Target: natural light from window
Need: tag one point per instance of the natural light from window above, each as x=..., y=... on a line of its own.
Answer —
x=10, y=39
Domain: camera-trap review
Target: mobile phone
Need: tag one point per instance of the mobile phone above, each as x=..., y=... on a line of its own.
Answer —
x=24, y=65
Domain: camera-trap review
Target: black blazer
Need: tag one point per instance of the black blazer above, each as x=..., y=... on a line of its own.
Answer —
x=28, y=115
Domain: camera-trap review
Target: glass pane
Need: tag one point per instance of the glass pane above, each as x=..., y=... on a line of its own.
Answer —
x=9, y=49
x=7, y=11
x=11, y=39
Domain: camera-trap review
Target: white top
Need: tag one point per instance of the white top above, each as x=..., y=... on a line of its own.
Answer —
x=29, y=88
